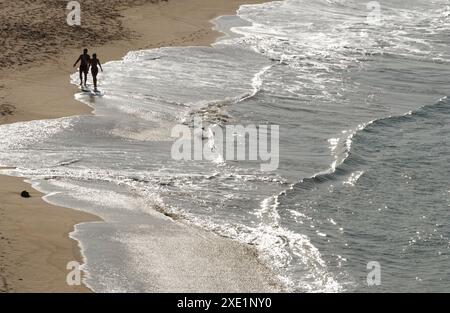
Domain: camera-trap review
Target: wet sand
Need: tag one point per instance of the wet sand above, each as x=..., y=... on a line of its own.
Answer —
x=34, y=243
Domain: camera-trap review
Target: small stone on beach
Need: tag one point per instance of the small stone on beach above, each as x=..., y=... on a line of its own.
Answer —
x=25, y=194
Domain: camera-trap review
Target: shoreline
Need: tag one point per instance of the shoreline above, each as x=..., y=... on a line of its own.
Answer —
x=33, y=251
x=31, y=90
x=45, y=92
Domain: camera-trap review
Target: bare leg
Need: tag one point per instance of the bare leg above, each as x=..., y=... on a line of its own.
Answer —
x=85, y=78
x=95, y=82
x=81, y=77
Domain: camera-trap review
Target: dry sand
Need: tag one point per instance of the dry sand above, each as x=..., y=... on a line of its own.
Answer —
x=38, y=53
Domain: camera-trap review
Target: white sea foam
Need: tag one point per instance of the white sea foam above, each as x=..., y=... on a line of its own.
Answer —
x=24, y=134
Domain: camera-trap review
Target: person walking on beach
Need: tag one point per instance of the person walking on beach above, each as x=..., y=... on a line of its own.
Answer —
x=94, y=63
x=84, y=66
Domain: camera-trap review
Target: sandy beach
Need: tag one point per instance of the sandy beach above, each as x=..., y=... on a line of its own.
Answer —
x=293, y=147
x=34, y=84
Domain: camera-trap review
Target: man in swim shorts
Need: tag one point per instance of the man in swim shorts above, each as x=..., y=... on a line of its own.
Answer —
x=84, y=66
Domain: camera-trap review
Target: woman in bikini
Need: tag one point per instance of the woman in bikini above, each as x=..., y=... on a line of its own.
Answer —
x=95, y=63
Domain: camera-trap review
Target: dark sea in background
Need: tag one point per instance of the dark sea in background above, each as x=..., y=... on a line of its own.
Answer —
x=364, y=147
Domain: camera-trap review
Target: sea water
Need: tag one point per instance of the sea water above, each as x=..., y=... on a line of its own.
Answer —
x=364, y=152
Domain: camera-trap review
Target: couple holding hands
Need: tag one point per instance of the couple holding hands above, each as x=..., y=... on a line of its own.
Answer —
x=87, y=62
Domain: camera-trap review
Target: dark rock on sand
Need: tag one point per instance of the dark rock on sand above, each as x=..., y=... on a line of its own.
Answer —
x=25, y=194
